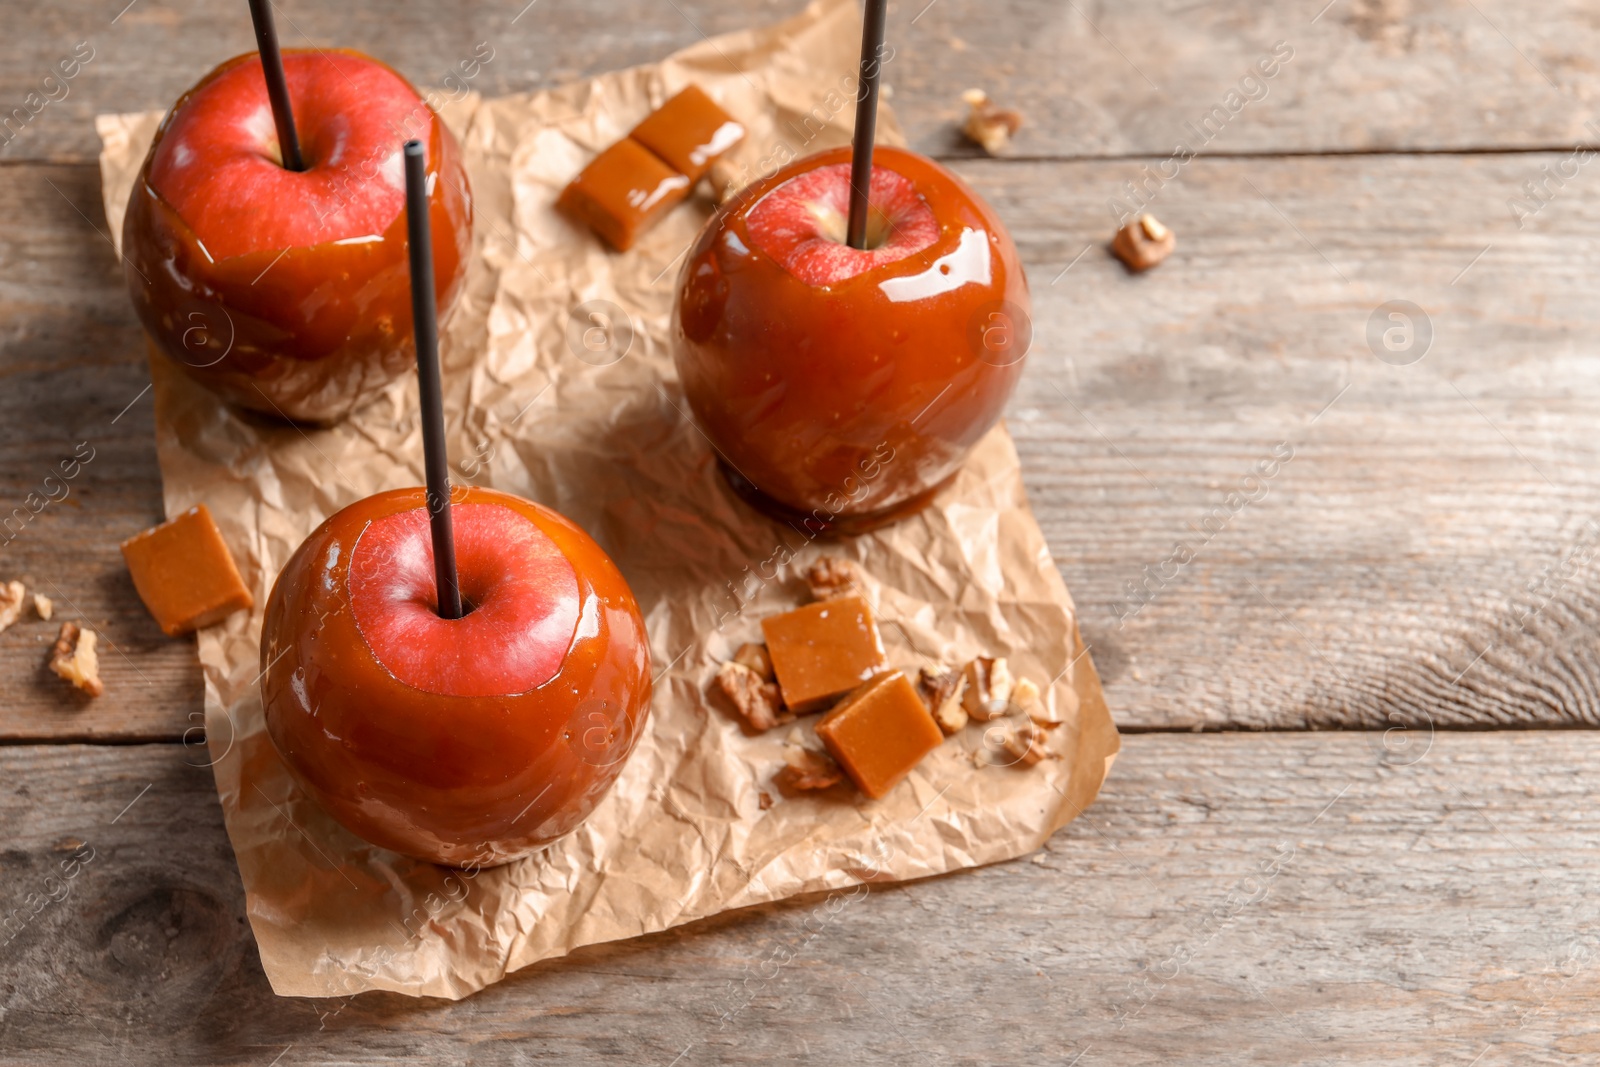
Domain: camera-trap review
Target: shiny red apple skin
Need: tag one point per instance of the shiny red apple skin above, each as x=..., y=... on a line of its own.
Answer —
x=288, y=293
x=845, y=404
x=454, y=773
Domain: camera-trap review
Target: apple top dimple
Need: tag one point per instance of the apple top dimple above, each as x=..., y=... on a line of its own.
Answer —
x=801, y=224
x=217, y=162
x=526, y=606
x=257, y=129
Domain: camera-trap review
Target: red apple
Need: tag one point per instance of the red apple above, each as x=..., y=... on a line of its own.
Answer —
x=842, y=387
x=460, y=741
x=285, y=291
x=801, y=224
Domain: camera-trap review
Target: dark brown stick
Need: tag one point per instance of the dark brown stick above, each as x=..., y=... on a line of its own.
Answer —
x=277, y=87
x=872, y=26
x=425, y=330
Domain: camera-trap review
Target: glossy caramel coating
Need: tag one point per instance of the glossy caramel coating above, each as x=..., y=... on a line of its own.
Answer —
x=455, y=780
x=848, y=405
x=880, y=732
x=309, y=336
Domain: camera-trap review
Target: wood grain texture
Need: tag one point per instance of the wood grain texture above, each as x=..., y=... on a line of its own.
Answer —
x=73, y=384
x=1421, y=552
x=1273, y=899
x=1422, y=557
x=1437, y=511
x=1093, y=78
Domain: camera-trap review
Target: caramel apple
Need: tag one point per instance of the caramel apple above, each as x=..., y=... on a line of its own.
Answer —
x=843, y=386
x=460, y=741
x=286, y=291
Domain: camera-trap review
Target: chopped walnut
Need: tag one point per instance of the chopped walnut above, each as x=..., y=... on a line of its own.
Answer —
x=941, y=690
x=12, y=596
x=1143, y=243
x=1025, y=746
x=829, y=578
x=951, y=716
x=807, y=770
x=73, y=658
x=936, y=684
x=755, y=657
x=990, y=126
x=1048, y=713
x=757, y=701
x=764, y=799
x=988, y=690
x=43, y=607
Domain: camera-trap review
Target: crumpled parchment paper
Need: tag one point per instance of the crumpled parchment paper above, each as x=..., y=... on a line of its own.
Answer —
x=593, y=424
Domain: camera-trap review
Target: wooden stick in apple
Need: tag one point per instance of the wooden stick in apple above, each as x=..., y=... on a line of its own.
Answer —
x=425, y=331
x=277, y=86
x=866, y=121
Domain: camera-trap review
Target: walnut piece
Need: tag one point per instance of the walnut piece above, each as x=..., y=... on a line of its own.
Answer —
x=941, y=690
x=755, y=657
x=935, y=684
x=807, y=770
x=764, y=799
x=991, y=127
x=43, y=607
x=12, y=596
x=1025, y=746
x=1143, y=243
x=756, y=701
x=829, y=578
x=1048, y=713
x=988, y=691
x=73, y=658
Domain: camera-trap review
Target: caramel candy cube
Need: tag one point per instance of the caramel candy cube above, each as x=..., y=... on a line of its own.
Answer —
x=623, y=192
x=880, y=732
x=689, y=132
x=823, y=650
x=185, y=574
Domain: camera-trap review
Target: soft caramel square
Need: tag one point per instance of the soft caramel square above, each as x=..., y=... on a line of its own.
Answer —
x=823, y=650
x=689, y=132
x=622, y=192
x=185, y=574
x=879, y=732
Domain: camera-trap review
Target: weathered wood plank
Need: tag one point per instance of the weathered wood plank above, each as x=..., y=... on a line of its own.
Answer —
x=1437, y=509
x=1094, y=79
x=1435, y=513
x=1270, y=898
x=72, y=388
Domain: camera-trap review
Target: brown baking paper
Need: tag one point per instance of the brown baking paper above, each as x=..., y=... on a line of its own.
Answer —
x=595, y=426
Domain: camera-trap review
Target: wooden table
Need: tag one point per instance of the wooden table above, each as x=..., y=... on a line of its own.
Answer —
x=1344, y=827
